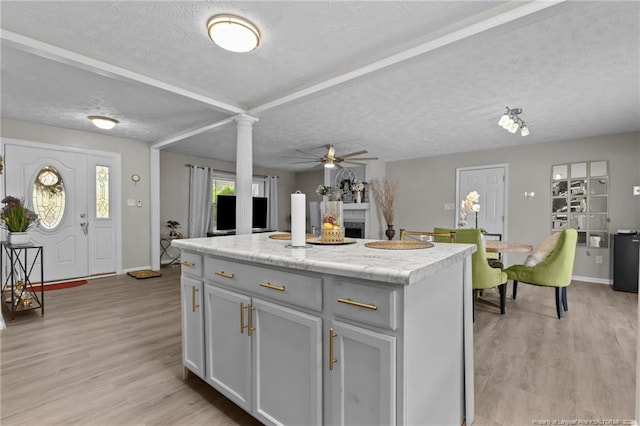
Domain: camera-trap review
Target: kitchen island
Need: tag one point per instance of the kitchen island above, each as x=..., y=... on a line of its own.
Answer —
x=331, y=334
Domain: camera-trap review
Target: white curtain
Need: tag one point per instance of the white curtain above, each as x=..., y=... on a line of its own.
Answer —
x=200, y=193
x=271, y=191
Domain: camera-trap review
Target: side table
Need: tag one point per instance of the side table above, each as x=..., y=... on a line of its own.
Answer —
x=17, y=263
x=165, y=251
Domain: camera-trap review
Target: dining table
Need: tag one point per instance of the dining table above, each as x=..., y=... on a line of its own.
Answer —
x=492, y=246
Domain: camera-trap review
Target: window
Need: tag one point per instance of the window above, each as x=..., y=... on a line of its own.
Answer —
x=49, y=197
x=102, y=192
x=226, y=185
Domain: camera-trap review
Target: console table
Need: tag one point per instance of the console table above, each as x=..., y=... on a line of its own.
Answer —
x=17, y=285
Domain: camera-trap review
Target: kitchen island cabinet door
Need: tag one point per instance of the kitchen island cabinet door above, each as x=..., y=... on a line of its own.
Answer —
x=192, y=325
x=287, y=357
x=362, y=376
x=228, y=346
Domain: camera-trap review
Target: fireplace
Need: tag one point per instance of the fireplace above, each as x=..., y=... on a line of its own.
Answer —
x=354, y=229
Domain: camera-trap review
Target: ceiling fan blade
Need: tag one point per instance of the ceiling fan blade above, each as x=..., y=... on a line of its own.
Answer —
x=353, y=162
x=301, y=158
x=363, y=158
x=306, y=161
x=308, y=154
x=351, y=154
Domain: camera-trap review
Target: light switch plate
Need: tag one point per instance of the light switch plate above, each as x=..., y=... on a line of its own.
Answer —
x=636, y=190
x=131, y=202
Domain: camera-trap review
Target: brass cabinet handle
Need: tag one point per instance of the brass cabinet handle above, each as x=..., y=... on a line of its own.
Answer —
x=250, y=328
x=358, y=304
x=242, y=326
x=332, y=360
x=194, y=304
x=272, y=287
x=187, y=263
x=225, y=274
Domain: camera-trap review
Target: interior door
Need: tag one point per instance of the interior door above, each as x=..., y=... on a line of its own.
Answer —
x=78, y=225
x=489, y=182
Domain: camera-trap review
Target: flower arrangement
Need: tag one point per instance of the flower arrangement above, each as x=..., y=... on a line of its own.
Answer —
x=15, y=216
x=385, y=195
x=468, y=205
x=358, y=186
x=323, y=190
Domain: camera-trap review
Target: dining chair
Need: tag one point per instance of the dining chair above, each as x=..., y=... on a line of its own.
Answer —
x=483, y=276
x=493, y=259
x=443, y=237
x=550, y=265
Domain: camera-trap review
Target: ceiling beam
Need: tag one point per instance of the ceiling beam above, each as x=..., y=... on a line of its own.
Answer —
x=172, y=140
x=475, y=25
x=86, y=63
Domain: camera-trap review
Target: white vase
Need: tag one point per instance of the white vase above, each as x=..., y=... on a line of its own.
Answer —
x=18, y=238
x=358, y=196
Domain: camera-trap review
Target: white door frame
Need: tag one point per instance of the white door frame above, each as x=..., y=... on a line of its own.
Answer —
x=116, y=180
x=505, y=207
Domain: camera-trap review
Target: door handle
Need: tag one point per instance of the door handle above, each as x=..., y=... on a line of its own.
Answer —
x=85, y=227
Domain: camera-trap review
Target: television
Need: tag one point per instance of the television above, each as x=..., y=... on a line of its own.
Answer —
x=226, y=213
x=260, y=206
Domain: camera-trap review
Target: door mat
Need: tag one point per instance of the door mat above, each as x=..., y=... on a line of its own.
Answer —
x=144, y=273
x=58, y=286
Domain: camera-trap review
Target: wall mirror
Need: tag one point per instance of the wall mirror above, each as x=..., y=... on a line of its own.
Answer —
x=579, y=199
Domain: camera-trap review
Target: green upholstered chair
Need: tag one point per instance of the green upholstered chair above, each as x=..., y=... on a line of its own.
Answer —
x=492, y=258
x=443, y=232
x=483, y=275
x=554, y=270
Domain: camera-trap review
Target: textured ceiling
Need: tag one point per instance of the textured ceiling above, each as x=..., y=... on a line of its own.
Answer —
x=572, y=67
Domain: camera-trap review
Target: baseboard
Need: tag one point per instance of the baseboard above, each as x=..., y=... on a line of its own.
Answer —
x=604, y=281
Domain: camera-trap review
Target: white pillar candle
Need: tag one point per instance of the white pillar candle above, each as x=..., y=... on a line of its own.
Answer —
x=298, y=219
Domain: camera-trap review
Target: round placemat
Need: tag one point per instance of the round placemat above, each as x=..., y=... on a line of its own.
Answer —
x=399, y=245
x=287, y=236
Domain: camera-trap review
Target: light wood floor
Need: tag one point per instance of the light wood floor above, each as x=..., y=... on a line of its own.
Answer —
x=109, y=353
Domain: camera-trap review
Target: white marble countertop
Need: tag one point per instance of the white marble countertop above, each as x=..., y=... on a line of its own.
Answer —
x=349, y=260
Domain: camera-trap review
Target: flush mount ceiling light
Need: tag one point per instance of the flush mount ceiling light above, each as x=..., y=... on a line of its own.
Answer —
x=101, y=122
x=233, y=33
x=511, y=121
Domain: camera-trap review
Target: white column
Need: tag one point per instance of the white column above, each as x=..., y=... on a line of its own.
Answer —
x=244, y=173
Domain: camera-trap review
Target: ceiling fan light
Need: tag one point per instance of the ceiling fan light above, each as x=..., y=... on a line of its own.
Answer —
x=514, y=127
x=524, y=130
x=101, y=122
x=503, y=120
x=233, y=33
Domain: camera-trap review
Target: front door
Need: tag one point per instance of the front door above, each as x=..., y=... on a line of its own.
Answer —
x=489, y=182
x=64, y=188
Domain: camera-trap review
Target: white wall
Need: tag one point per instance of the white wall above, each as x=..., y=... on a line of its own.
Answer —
x=426, y=184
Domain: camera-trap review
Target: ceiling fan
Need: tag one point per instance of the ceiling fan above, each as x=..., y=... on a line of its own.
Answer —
x=330, y=159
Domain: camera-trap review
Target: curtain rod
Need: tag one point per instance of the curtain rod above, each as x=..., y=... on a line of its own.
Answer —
x=223, y=171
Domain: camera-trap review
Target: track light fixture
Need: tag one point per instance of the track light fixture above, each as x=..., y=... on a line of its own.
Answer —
x=511, y=122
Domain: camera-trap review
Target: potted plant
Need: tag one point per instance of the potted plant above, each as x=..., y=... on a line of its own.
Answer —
x=17, y=219
x=173, y=225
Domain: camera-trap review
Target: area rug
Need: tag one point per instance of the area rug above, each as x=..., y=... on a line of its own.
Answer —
x=144, y=273
x=58, y=286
